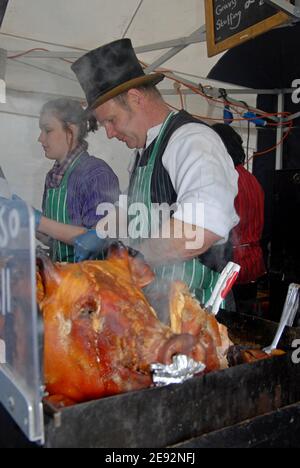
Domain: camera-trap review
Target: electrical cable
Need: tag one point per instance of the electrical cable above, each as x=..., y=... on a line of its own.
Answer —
x=26, y=52
x=33, y=50
x=228, y=104
x=269, y=150
x=39, y=41
x=227, y=101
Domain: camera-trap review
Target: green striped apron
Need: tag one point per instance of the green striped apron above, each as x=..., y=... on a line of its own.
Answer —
x=56, y=209
x=200, y=279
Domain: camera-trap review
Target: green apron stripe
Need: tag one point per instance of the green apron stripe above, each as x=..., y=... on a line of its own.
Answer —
x=52, y=206
x=183, y=273
x=211, y=280
x=59, y=210
x=56, y=209
x=58, y=217
x=144, y=195
x=64, y=208
x=174, y=272
x=193, y=274
x=69, y=249
x=46, y=205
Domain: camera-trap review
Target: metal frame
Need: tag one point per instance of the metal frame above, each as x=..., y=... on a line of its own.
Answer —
x=279, y=134
x=176, y=46
x=20, y=408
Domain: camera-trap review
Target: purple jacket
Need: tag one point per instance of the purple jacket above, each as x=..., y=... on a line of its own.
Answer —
x=90, y=183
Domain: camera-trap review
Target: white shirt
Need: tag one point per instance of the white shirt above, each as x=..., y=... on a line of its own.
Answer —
x=202, y=172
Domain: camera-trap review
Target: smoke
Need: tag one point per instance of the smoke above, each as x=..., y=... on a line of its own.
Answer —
x=163, y=240
x=137, y=222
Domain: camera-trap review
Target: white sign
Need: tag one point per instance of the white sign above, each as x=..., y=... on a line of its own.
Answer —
x=296, y=354
x=296, y=92
x=9, y=226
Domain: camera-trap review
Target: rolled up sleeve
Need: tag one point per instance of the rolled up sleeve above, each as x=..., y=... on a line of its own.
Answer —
x=204, y=178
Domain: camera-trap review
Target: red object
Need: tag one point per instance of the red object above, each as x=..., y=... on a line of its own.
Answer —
x=229, y=283
x=246, y=236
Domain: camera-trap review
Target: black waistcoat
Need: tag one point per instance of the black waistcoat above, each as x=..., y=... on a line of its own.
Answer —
x=162, y=190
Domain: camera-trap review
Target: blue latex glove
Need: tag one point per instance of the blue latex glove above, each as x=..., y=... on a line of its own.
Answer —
x=37, y=214
x=89, y=246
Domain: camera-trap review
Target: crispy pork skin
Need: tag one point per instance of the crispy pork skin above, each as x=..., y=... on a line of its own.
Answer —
x=101, y=334
x=187, y=316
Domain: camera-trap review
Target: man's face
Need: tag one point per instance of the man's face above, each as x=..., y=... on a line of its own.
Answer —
x=122, y=122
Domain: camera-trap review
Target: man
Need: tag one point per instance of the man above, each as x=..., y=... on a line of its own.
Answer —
x=246, y=236
x=180, y=161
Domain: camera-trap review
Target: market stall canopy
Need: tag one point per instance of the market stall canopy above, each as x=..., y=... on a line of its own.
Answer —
x=73, y=27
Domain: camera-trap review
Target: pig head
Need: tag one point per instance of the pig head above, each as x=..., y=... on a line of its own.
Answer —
x=101, y=334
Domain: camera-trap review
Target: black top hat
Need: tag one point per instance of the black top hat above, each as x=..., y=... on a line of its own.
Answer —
x=109, y=70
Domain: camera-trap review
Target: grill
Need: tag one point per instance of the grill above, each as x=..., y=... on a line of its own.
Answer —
x=251, y=404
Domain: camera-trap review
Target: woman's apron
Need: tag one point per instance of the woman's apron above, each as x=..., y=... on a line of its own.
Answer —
x=56, y=209
x=200, y=279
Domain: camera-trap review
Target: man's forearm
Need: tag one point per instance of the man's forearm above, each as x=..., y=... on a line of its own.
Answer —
x=184, y=243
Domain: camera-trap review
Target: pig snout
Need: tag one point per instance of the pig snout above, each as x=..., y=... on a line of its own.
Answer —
x=177, y=344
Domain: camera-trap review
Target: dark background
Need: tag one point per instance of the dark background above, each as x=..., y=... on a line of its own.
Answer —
x=271, y=61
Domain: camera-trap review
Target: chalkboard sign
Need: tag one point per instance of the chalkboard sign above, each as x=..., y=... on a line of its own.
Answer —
x=231, y=22
x=3, y=6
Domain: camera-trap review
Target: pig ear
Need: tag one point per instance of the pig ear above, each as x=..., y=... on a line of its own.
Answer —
x=49, y=272
x=141, y=272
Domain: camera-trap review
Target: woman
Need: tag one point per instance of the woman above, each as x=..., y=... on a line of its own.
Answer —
x=77, y=183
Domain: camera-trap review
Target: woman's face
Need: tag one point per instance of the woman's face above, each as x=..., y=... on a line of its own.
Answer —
x=55, y=140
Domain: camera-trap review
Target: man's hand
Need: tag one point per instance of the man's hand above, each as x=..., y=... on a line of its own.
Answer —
x=10, y=201
x=89, y=246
